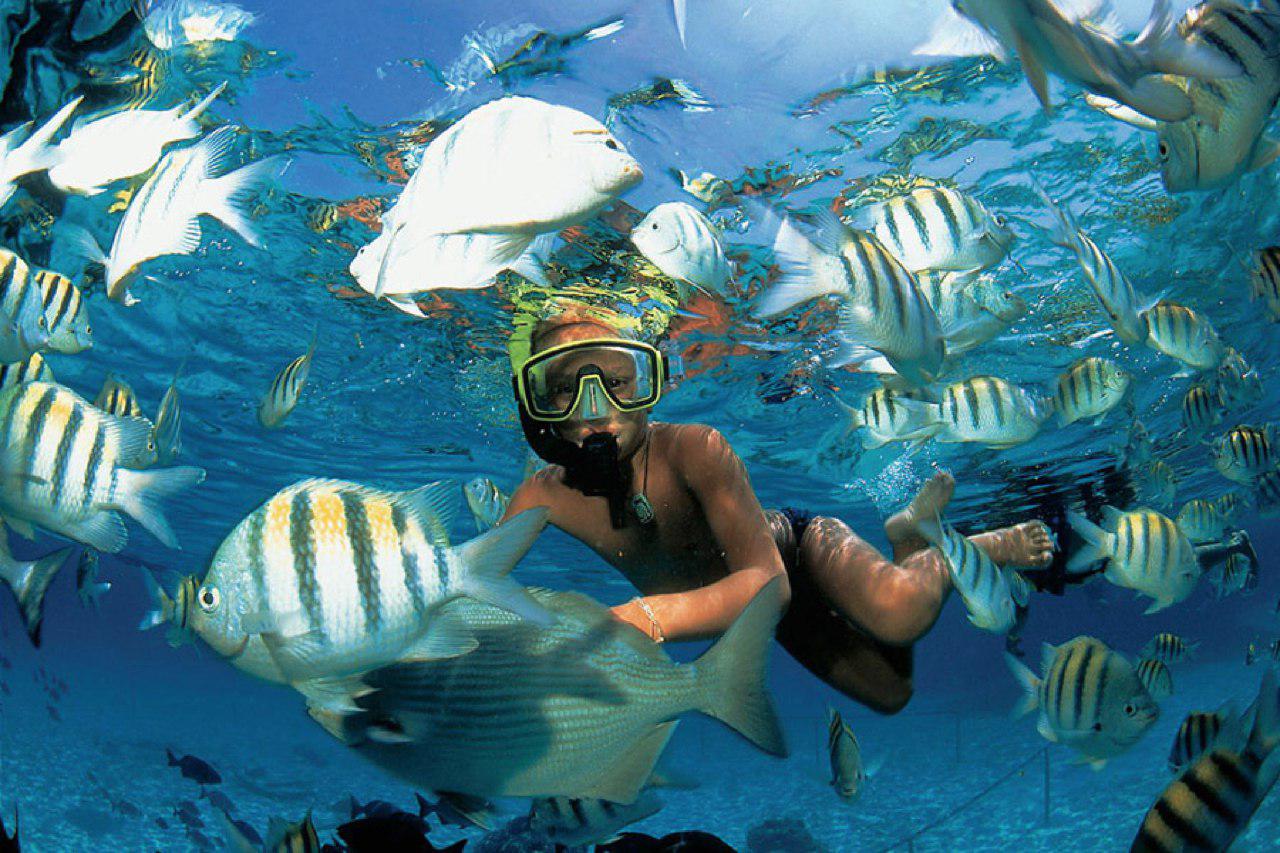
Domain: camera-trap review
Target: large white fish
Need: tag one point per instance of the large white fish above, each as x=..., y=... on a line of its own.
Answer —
x=1050, y=38
x=1223, y=138
x=122, y=145
x=486, y=187
x=163, y=218
x=581, y=708
x=684, y=245
x=328, y=579
x=882, y=308
x=21, y=154
x=171, y=24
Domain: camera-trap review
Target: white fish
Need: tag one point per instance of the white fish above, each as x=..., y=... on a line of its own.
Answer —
x=886, y=415
x=988, y=410
x=972, y=309
x=486, y=187
x=21, y=154
x=984, y=588
x=163, y=218
x=167, y=435
x=1112, y=288
x=940, y=229
x=881, y=307
x=23, y=326
x=1050, y=38
x=1144, y=550
x=122, y=145
x=173, y=23
x=684, y=245
x=1184, y=334
x=1223, y=138
x=486, y=502
x=1090, y=388
x=282, y=397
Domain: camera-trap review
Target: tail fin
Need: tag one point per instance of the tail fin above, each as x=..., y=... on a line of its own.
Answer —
x=220, y=197
x=29, y=581
x=139, y=493
x=732, y=674
x=488, y=559
x=164, y=608
x=173, y=761
x=1168, y=51
x=1065, y=226
x=81, y=242
x=36, y=153
x=191, y=127
x=1028, y=682
x=1098, y=542
x=800, y=280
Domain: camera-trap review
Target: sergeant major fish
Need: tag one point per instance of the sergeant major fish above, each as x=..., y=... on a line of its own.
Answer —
x=848, y=773
x=1157, y=483
x=1144, y=550
x=1183, y=334
x=684, y=245
x=972, y=309
x=982, y=585
x=116, y=397
x=33, y=369
x=1090, y=388
x=939, y=228
x=1264, y=277
x=576, y=822
x=1201, y=521
x=886, y=415
x=1213, y=800
x=1155, y=676
x=486, y=501
x=882, y=308
x=1201, y=409
x=29, y=580
x=1090, y=699
x=1168, y=648
x=328, y=579
x=1245, y=453
x=1201, y=731
x=988, y=410
x=65, y=313
x=23, y=327
x=282, y=397
x=67, y=466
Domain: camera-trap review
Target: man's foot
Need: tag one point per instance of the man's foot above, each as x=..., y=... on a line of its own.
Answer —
x=928, y=504
x=1028, y=544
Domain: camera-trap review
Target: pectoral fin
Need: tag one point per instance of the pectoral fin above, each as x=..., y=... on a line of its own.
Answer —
x=1036, y=75
x=1264, y=153
x=337, y=695
x=447, y=636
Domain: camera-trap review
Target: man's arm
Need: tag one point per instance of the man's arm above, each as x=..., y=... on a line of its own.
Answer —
x=718, y=480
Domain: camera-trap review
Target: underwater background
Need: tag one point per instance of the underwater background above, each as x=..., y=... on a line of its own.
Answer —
x=790, y=103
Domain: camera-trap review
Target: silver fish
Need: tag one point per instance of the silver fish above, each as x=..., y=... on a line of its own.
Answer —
x=1144, y=550
x=167, y=435
x=1264, y=276
x=1201, y=409
x=1169, y=648
x=1201, y=521
x=576, y=822
x=23, y=327
x=939, y=228
x=486, y=501
x=848, y=774
x=972, y=309
x=988, y=410
x=886, y=415
x=1245, y=453
x=582, y=708
x=1155, y=676
x=1184, y=334
x=1090, y=388
x=116, y=397
x=282, y=397
x=982, y=586
x=65, y=312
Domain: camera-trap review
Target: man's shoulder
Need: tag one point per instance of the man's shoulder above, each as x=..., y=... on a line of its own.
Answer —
x=693, y=444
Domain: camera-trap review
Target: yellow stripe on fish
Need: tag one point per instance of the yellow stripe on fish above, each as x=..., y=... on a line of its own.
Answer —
x=1182, y=333
x=1245, y=453
x=34, y=369
x=1090, y=388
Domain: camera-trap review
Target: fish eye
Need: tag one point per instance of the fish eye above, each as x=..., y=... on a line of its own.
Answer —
x=1097, y=727
x=208, y=598
x=1130, y=709
x=1164, y=151
x=654, y=226
x=611, y=144
x=1000, y=221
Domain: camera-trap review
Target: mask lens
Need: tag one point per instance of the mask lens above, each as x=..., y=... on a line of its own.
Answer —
x=589, y=375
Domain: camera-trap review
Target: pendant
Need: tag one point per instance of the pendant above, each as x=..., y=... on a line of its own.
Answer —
x=642, y=508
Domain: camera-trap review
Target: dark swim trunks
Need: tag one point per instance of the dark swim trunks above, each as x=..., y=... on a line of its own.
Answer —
x=799, y=520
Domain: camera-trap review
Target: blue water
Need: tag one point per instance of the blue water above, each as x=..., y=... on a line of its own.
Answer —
x=396, y=402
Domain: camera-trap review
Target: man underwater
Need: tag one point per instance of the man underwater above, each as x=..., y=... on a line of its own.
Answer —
x=671, y=507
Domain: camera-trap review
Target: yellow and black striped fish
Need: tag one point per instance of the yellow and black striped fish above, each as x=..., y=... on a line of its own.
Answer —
x=1155, y=676
x=34, y=369
x=1090, y=699
x=888, y=415
x=1245, y=453
x=1169, y=648
x=940, y=228
x=845, y=756
x=1266, y=494
x=70, y=468
x=988, y=410
x=1184, y=334
x=167, y=435
x=1157, y=483
x=1090, y=388
x=282, y=396
x=1145, y=551
x=65, y=313
x=1231, y=577
x=1214, y=799
x=116, y=397
x=1201, y=408
x=1201, y=521
x=1229, y=505
x=1238, y=383
x=297, y=837
x=1264, y=279
x=323, y=216
x=23, y=328
x=1201, y=731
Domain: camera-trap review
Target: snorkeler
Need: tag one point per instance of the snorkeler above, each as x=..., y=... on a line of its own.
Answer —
x=672, y=508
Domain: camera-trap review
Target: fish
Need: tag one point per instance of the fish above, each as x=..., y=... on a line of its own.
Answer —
x=29, y=580
x=461, y=810
x=1213, y=800
x=487, y=503
x=1145, y=551
x=988, y=410
x=848, y=774
x=580, y=709
x=171, y=24
x=886, y=415
x=683, y=244
x=328, y=579
x=167, y=433
x=116, y=397
x=240, y=836
x=65, y=313
x=1183, y=334
x=1238, y=384
x=1155, y=676
x=1157, y=483
x=1090, y=699
x=163, y=217
x=710, y=189
x=982, y=586
x=1230, y=505
x=33, y=369
x=1201, y=521
x=1201, y=731
x=573, y=822
x=282, y=837
x=282, y=397
x=196, y=769
x=938, y=228
x=1245, y=453
x=218, y=800
x=122, y=145
x=1223, y=138
x=1168, y=648
x=505, y=173
x=21, y=154
x=68, y=467
x=1201, y=409
x=675, y=842
x=1050, y=38
x=973, y=309
x=1264, y=277
x=1138, y=448
x=88, y=588
x=23, y=327
x=1266, y=494
x=882, y=309
x=1090, y=388
x=1231, y=577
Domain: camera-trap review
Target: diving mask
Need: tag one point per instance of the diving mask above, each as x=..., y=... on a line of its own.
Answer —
x=587, y=377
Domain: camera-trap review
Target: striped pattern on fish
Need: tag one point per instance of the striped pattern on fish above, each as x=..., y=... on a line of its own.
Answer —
x=1202, y=521
x=983, y=586
x=33, y=369
x=1201, y=409
x=1245, y=453
x=1145, y=551
x=1169, y=648
x=1264, y=279
x=282, y=397
x=1090, y=388
x=941, y=229
x=1183, y=334
x=116, y=397
x=1155, y=676
x=988, y=410
x=66, y=466
x=886, y=415
x=23, y=327
x=65, y=313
